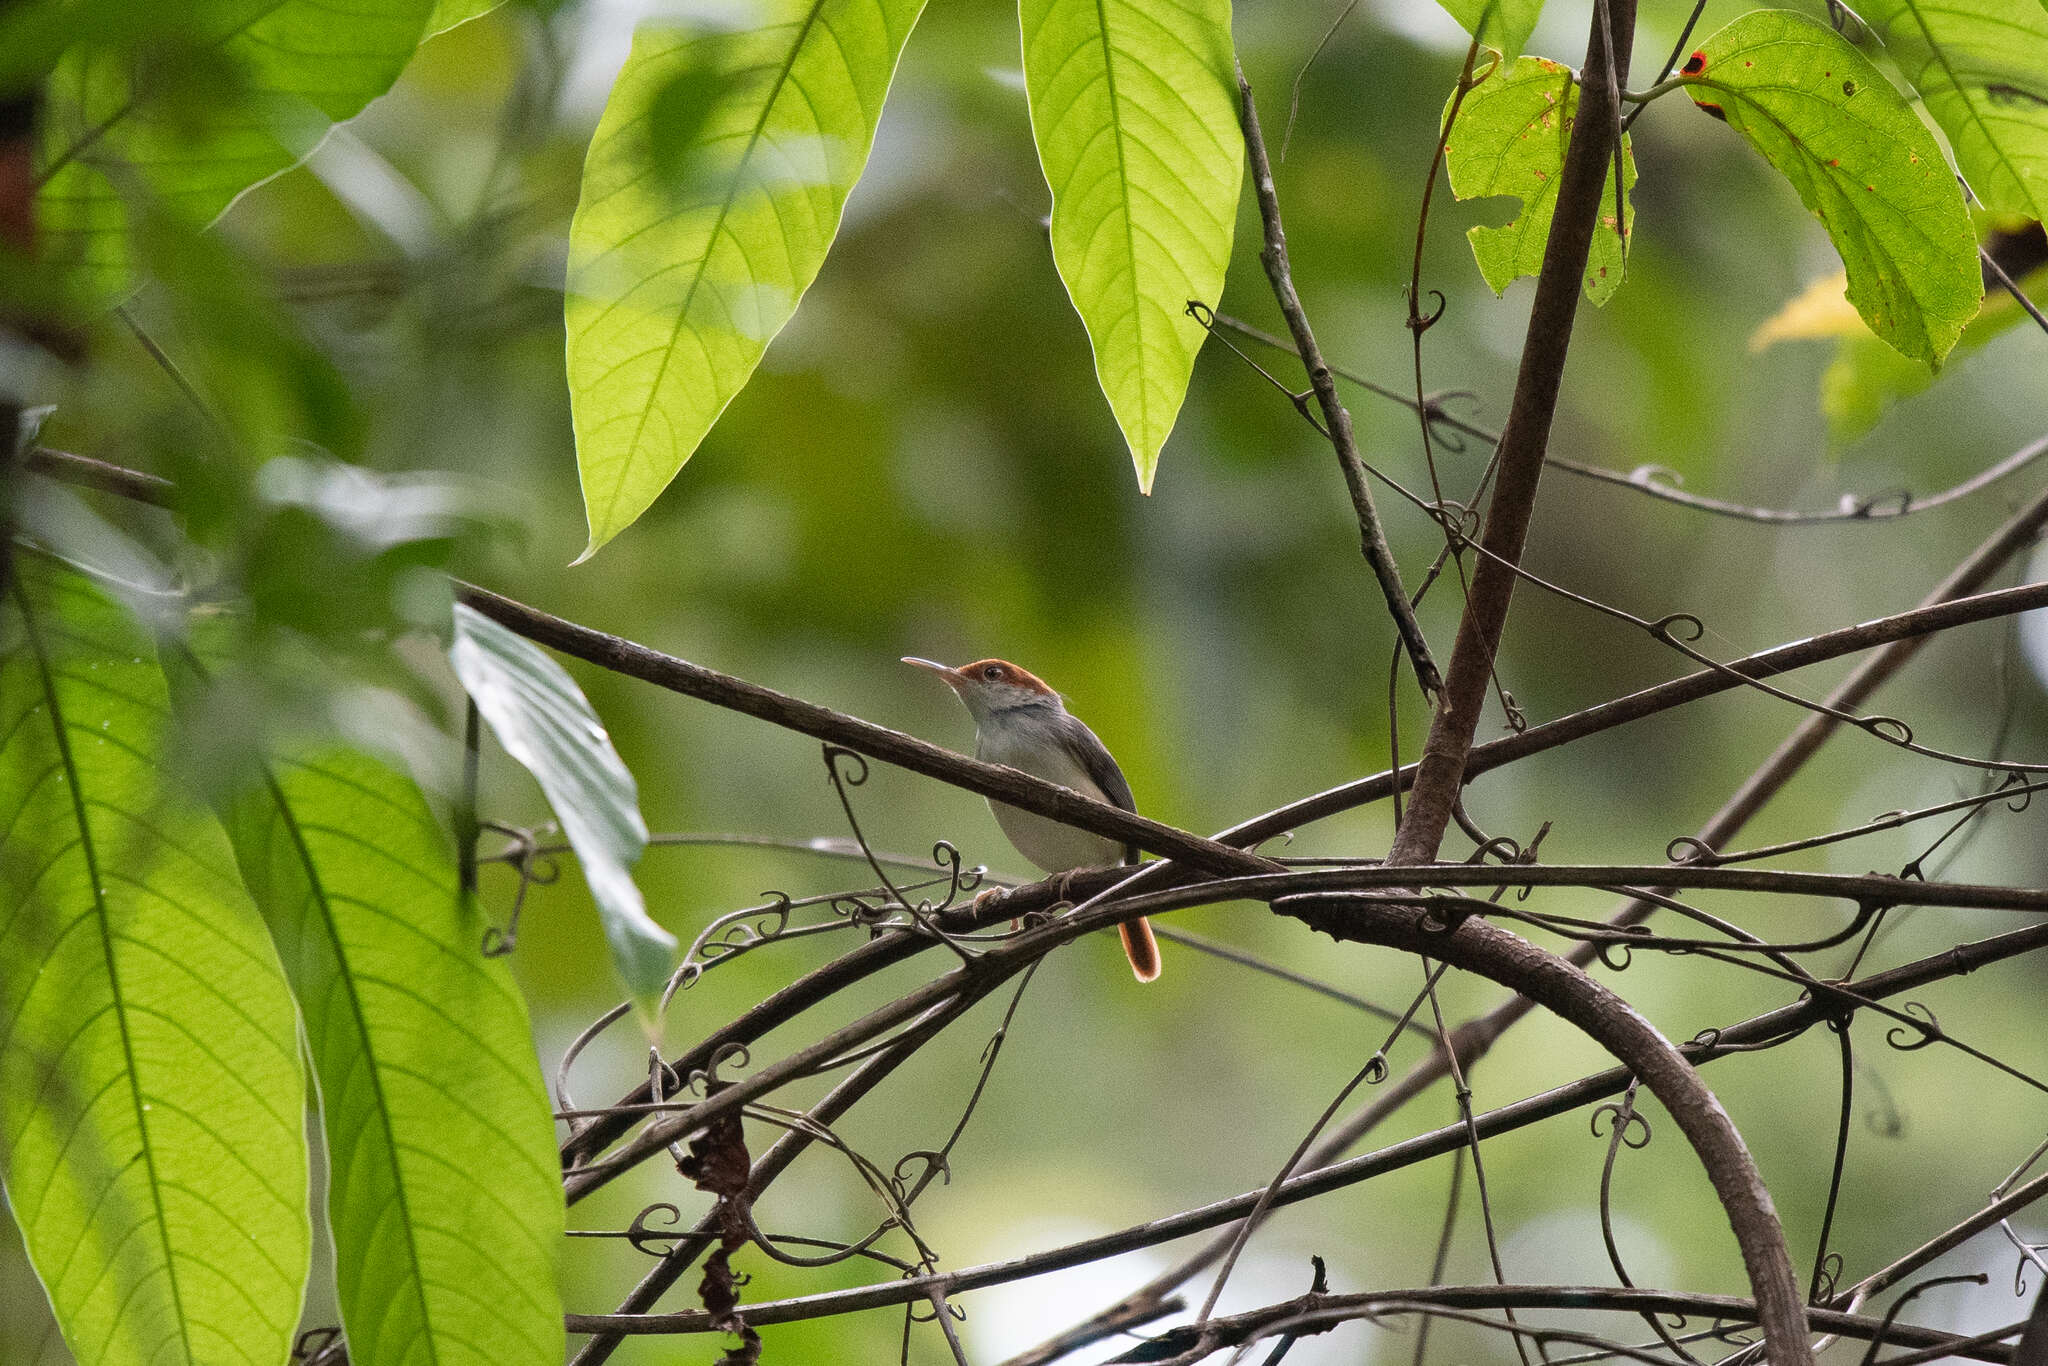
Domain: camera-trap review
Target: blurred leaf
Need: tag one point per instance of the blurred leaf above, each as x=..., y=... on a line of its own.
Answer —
x=1135, y=111
x=1982, y=68
x=151, y=1097
x=1866, y=377
x=1509, y=140
x=1819, y=311
x=1503, y=25
x=675, y=289
x=248, y=92
x=541, y=718
x=444, y=1192
x=1862, y=162
x=329, y=548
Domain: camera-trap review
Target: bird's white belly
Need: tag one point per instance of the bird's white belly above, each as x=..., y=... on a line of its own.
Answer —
x=1054, y=847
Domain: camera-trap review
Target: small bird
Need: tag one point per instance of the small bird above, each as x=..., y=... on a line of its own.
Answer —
x=1022, y=723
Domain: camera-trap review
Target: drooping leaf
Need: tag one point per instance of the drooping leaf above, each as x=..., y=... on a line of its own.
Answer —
x=151, y=1096
x=1503, y=25
x=678, y=282
x=1510, y=139
x=1135, y=111
x=1982, y=68
x=444, y=1192
x=542, y=719
x=182, y=128
x=1862, y=163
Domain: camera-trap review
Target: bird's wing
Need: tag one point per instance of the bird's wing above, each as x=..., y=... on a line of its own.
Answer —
x=1103, y=772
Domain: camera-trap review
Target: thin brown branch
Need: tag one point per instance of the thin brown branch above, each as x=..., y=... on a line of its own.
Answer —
x=877, y=742
x=87, y=472
x=1308, y=1311
x=1336, y=420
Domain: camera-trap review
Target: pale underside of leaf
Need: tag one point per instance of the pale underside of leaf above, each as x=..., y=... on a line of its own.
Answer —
x=677, y=287
x=1862, y=163
x=113, y=154
x=151, y=1097
x=1982, y=68
x=543, y=720
x=444, y=1196
x=1510, y=139
x=1134, y=110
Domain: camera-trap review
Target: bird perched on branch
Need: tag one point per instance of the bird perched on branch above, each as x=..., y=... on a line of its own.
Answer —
x=1022, y=723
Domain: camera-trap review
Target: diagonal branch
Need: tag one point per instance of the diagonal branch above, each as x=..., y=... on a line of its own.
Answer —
x=993, y=781
x=1336, y=420
x=1523, y=441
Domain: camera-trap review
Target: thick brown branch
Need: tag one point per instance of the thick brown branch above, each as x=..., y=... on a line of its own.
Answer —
x=1567, y=991
x=1735, y=1040
x=1523, y=441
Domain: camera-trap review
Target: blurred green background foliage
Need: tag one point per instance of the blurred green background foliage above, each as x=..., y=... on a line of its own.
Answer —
x=924, y=465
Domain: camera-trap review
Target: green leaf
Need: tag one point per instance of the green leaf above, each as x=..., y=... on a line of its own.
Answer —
x=1861, y=161
x=1509, y=140
x=1135, y=111
x=182, y=129
x=453, y=13
x=677, y=283
x=151, y=1097
x=541, y=718
x=1982, y=68
x=444, y=1192
x=1503, y=25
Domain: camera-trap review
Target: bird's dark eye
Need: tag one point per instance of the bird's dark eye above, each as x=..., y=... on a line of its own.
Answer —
x=992, y=672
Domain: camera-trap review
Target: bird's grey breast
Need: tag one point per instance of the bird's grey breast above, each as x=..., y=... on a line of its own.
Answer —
x=1046, y=744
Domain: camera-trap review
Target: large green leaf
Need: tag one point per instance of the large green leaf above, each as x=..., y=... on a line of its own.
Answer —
x=678, y=281
x=1862, y=162
x=542, y=719
x=1504, y=25
x=444, y=1195
x=152, y=1101
x=1510, y=140
x=454, y=13
x=183, y=129
x=1982, y=68
x=1134, y=108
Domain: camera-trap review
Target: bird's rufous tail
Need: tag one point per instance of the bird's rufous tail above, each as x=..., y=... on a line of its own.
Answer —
x=1141, y=948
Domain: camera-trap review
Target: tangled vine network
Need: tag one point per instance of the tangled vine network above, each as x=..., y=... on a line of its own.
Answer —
x=1483, y=915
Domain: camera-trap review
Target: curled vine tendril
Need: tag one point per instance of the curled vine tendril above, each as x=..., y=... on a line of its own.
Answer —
x=1907, y=1040
x=1678, y=628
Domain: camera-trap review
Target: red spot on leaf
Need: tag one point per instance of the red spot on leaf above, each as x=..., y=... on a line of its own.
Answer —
x=1695, y=64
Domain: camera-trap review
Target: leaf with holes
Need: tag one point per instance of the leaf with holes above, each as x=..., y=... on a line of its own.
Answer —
x=1503, y=25
x=1862, y=163
x=1982, y=68
x=1509, y=140
x=135, y=137
x=1134, y=108
x=542, y=719
x=444, y=1193
x=151, y=1097
x=678, y=281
